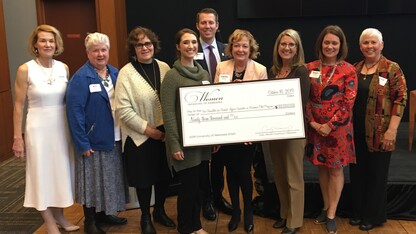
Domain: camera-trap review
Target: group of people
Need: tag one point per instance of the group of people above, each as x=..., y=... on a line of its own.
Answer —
x=125, y=128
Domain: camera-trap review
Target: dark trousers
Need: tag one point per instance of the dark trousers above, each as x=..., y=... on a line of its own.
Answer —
x=238, y=160
x=212, y=183
x=189, y=199
x=144, y=195
x=217, y=176
x=369, y=184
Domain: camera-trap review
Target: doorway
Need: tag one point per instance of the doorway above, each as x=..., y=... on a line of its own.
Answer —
x=74, y=19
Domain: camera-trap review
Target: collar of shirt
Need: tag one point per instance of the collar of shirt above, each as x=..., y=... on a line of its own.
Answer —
x=205, y=49
x=204, y=45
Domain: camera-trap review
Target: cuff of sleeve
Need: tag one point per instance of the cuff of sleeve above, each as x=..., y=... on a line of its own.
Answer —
x=333, y=127
x=143, y=127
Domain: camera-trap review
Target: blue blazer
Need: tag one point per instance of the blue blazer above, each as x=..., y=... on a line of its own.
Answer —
x=88, y=111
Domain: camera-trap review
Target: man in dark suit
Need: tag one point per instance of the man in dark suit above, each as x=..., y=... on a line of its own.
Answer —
x=207, y=25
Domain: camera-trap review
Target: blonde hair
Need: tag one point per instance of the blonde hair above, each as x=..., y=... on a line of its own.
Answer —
x=59, y=44
x=238, y=35
x=298, y=59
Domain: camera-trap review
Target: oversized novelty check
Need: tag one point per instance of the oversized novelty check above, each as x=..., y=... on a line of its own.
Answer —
x=241, y=112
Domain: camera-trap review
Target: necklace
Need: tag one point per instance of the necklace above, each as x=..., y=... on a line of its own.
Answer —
x=330, y=76
x=239, y=75
x=106, y=79
x=282, y=74
x=153, y=85
x=369, y=68
x=48, y=72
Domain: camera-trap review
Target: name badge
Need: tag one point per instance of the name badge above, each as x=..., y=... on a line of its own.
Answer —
x=224, y=78
x=205, y=82
x=95, y=88
x=199, y=56
x=315, y=74
x=382, y=81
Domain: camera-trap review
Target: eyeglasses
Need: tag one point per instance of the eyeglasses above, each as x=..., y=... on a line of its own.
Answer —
x=284, y=44
x=147, y=44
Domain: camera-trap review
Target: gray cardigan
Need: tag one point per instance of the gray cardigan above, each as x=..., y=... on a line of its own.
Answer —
x=177, y=77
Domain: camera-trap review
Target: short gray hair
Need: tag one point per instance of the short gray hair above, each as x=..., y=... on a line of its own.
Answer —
x=371, y=32
x=96, y=39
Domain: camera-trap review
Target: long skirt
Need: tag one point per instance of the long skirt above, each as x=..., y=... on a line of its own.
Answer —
x=100, y=181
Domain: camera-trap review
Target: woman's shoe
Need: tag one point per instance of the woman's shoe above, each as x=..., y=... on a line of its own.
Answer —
x=331, y=226
x=249, y=228
x=368, y=226
x=233, y=224
x=70, y=228
x=92, y=228
x=110, y=219
x=146, y=225
x=288, y=230
x=160, y=216
x=280, y=223
x=248, y=219
x=355, y=221
x=321, y=217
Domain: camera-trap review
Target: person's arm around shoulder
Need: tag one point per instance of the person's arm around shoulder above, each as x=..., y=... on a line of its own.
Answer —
x=20, y=88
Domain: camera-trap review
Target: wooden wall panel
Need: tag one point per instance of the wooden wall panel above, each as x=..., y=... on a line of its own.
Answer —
x=4, y=62
x=110, y=16
x=6, y=109
x=6, y=125
x=111, y=20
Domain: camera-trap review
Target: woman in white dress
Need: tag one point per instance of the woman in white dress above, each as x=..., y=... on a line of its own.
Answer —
x=42, y=81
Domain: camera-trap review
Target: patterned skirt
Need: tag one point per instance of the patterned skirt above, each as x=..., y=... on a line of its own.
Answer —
x=100, y=181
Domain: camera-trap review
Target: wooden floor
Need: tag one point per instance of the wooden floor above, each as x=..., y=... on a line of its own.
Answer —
x=261, y=225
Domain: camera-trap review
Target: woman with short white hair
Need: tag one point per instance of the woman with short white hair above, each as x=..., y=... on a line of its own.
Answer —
x=382, y=93
x=100, y=185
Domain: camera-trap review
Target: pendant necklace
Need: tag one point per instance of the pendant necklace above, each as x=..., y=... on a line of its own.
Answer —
x=283, y=75
x=239, y=75
x=106, y=79
x=369, y=68
x=48, y=72
x=330, y=76
x=153, y=85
